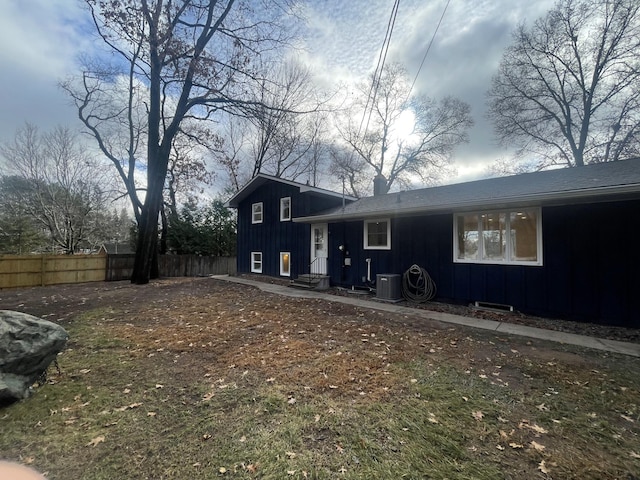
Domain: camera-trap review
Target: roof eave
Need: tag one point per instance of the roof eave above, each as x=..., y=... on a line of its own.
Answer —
x=521, y=200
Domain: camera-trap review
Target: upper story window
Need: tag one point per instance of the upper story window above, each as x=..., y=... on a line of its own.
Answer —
x=285, y=209
x=377, y=234
x=256, y=212
x=510, y=236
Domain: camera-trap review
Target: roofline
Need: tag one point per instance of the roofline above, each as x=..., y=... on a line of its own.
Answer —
x=231, y=203
x=488, y=203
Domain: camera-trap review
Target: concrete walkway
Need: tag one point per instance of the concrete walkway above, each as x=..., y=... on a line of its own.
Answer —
x=625, y=348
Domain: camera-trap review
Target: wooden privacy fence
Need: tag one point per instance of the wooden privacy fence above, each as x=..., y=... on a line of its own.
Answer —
x=40, y=270
x=120, y=267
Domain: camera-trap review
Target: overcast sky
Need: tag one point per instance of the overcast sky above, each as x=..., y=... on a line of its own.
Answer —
x=40, y=41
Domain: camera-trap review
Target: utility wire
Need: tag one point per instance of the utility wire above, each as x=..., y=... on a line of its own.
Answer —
x=428, y=48
x=377, y=74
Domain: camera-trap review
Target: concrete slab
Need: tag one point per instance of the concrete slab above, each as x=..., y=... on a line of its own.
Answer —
x=613, y=346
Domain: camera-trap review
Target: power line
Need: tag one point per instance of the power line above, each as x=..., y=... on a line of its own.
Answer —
x=377, y=74
x=428, y=48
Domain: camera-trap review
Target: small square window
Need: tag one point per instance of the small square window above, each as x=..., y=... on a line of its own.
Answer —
x=285, y=264
x=285, y=209
x=256, y=262
x=377, y=234
x=256, y=213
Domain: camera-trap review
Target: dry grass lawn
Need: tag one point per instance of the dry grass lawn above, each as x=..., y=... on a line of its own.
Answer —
x=198, y=378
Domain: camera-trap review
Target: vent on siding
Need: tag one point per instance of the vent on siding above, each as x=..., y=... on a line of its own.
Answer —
x=496, y=307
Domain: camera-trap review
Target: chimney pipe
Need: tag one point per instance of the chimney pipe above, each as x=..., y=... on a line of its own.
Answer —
x=380, y=185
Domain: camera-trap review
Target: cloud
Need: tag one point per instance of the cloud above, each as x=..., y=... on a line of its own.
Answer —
x=40, y=42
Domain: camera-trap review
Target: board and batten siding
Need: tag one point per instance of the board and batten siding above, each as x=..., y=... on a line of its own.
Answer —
x=590, y=271
x=273, y=236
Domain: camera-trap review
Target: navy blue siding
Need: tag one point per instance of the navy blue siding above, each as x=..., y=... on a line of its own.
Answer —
x=590, y=272
x=273, y=236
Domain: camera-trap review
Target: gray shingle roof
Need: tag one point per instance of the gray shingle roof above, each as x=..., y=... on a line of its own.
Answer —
x=595, y=182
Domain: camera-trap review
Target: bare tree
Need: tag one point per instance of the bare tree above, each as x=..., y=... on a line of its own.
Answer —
x=177, y=60
x=568, y=89
x=58, y=184
x=373, y=128
x=281, y=135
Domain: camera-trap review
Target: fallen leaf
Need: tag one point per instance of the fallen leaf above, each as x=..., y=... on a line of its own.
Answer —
x=542, y=467
x=291, y=472
x=243, y=439
x=252, y=468
x=206, y=436
x=628, y=419
x=95, y=441
x=291, y=401
x=478, y=415
x=85, y=370
x=290, y=454
x=516, y=445
x=635, y=455
x=222, y=470
x=151, y=414
x=537, y=446
x=500, y=447
x=272, y=379
x=159, y=385
x=537, y=428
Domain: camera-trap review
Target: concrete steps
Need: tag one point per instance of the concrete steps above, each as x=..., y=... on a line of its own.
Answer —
x=311, y=282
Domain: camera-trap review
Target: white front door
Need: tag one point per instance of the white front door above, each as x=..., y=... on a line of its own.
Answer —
x=319, y=249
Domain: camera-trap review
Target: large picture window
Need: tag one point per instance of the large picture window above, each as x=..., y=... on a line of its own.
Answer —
x=256, y=212
x=256, y=262
x=377, y=234
x=510, y=236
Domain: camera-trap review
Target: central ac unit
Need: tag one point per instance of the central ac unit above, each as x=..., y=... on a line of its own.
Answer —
x=388, y=287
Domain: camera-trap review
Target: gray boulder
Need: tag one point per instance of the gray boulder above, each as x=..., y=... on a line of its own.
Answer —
x=28, y=345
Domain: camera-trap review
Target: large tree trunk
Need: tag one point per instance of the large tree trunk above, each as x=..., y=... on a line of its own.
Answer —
x=146, y=261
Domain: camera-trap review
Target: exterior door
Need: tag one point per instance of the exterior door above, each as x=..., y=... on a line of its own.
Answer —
x=319, y=249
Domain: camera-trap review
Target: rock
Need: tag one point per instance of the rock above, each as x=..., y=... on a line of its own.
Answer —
x=28, y=345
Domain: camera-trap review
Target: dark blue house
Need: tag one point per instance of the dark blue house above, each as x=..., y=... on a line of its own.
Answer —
x=560, y=243
x=269, y=242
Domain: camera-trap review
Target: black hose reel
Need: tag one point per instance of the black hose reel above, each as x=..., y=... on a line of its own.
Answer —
x=417, y=285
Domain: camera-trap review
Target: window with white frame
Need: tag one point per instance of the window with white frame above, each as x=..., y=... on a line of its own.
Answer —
x=285, y=264
x=377, y=234
x=256, y=262
x=256, y=212
x=285, y=209
x=505, y=236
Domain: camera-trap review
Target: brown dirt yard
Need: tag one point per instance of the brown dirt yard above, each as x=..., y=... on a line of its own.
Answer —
x=201, y=378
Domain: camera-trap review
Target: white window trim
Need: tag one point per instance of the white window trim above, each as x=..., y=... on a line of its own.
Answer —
x=282, y=217
x=282, y=272
x=254, y=269
x=366, y=234
x=253, y=212
x=508, y=260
